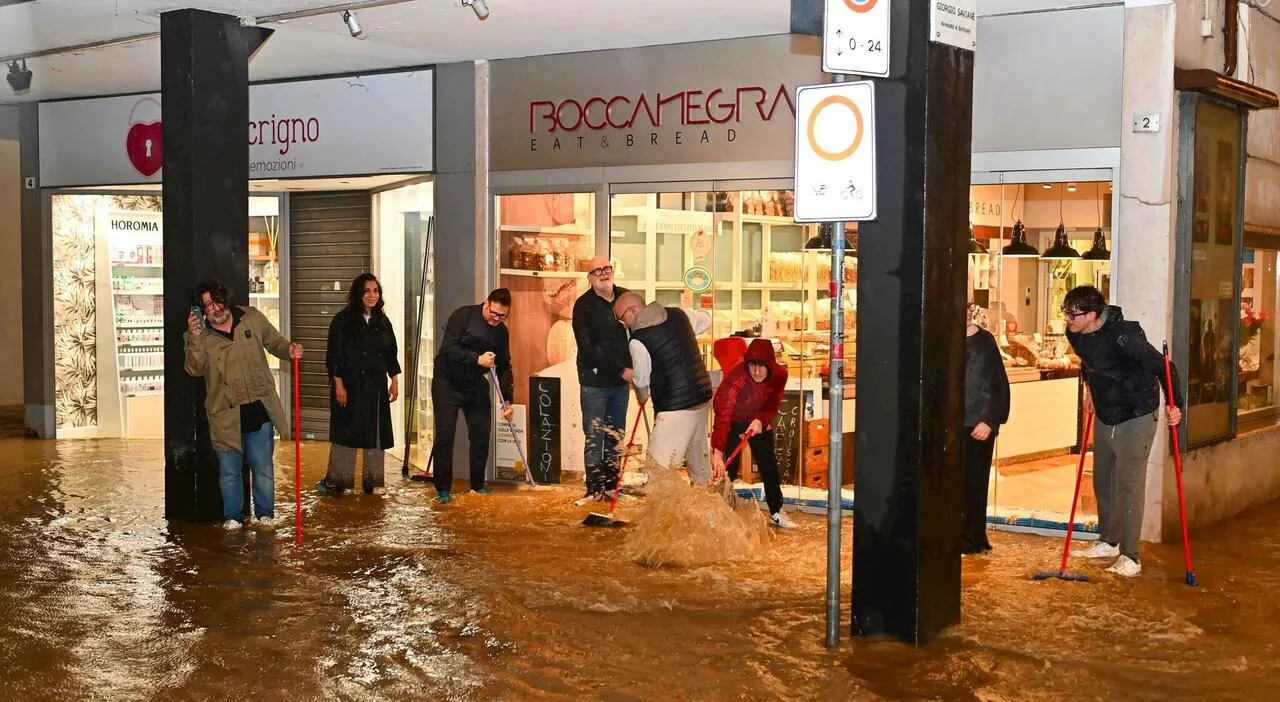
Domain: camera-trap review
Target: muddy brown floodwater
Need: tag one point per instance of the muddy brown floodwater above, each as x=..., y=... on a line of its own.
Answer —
x=507, y=597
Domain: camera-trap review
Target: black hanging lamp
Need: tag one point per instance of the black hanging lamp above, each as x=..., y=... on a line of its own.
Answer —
x=1061, y=249
x=1099, y=250
x=1018, y=247
x=822, y=241
x=975, y=246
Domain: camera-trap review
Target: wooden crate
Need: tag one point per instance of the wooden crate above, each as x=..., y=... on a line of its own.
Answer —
x=818, y=432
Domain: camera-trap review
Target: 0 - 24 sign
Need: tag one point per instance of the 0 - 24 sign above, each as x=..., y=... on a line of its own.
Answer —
x=835, y=152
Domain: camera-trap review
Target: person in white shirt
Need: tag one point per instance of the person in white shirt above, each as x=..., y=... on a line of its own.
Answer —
x=667, y=366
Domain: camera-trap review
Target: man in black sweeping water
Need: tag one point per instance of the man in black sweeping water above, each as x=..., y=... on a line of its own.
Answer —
x=475, y=340
x=1123, y=377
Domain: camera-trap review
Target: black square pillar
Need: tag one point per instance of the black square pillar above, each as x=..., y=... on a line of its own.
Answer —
x=204, y=88
x=910, y=360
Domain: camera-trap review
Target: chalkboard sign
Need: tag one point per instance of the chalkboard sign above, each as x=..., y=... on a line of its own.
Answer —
x=544, y=429
x=786, y=437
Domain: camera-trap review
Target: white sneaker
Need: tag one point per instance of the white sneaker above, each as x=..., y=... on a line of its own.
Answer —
x=780, y=520
x=265, y=523
x=1101, y=549
x=231, y=525
x=1125, y=566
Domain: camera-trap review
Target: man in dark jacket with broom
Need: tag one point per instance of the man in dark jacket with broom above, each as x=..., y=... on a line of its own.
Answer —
x=1123, y=377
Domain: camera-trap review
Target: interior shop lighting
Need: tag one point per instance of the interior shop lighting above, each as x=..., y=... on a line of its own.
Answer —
x=1099, y=250
x=480, y=7
x=975, y=246
x=19, y=77
x=1061, y=248
x=822, y=241
x=353, y=24
x=1018, y=247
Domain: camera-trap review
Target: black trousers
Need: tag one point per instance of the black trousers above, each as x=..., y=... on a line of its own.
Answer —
x=447, y=400
x=977, y=474
x=765, y=459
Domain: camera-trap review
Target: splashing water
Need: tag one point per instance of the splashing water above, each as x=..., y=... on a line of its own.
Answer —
x=687, y=526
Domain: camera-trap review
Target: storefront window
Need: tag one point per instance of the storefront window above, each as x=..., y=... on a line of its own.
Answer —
x=1030, y=244
x=544, y=243
x=1214, y=230
x=108, y=262
x=1258, y=338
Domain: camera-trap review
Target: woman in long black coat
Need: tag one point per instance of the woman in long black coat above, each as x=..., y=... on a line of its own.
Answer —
x=986, y=407
x=361, y=356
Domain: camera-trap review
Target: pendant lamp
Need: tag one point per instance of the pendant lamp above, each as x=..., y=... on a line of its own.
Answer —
x=822, y=241
x=975, y=246
x=1099, y=251
x=1018, y=247
x=1061, y=248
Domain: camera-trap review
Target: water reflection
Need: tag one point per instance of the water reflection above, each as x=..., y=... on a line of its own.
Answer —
x=509, y=597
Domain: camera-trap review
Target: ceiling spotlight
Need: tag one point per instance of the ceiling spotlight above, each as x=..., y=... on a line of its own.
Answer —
x=1071, y=188
x=353, y=24
x=1047, y=186
x=19, y=78
x=480, y=7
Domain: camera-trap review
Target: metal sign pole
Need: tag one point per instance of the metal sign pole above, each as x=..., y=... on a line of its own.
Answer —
x=835, y=421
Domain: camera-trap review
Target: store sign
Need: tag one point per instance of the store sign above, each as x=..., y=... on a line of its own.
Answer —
x=354, y=125
x=954, y=22
x=703, y=102
x=835, y=146
x=544, y=429
x=855, y=37
x=512, y=446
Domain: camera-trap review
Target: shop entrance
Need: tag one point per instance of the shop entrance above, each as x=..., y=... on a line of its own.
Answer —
x=1036, y=235
x=731, y=249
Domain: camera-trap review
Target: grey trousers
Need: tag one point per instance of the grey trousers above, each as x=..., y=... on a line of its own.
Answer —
x=342, y=467
x=1120, y=479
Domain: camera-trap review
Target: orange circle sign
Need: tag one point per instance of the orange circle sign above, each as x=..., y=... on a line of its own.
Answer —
x=864, y=6
x=813, y=120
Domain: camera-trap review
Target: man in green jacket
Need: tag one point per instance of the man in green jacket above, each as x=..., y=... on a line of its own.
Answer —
x=224, y=344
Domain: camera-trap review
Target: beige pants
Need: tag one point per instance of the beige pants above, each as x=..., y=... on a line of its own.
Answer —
x=342, y=467
x=681, y=437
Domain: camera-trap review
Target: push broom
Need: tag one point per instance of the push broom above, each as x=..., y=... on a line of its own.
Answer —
x=726, y=485
x=1177, y=467
x=1062, y=573
x=515, y=438
x=595, y=519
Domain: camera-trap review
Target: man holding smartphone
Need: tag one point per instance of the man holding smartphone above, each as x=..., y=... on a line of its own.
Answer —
x=224, y=345
x=475, y=340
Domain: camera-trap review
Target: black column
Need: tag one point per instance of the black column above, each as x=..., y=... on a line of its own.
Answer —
x=204, y=87
x=910, y=360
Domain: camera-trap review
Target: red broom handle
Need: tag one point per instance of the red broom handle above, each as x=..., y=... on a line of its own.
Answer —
x=617, y=487
x=745, y=438
x=1177, y=459
x=1075, y=499
x=297, y=455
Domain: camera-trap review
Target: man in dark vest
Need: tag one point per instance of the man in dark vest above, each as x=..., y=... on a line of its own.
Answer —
x=666, y=364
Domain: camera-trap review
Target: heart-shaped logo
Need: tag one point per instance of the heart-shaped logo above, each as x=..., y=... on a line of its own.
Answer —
x=144, y=148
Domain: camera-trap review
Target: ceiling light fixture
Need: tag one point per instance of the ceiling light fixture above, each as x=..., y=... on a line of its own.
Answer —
x=480, y=7
x=1046, y=186
x=1099, y=250
x=1018, y=247
x=353, y=24
x=1061, y=248
x=19, y=77
x=1071, y=188
x=975, y=246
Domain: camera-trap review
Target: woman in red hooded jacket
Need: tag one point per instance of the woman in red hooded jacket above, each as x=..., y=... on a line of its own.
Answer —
x=748, y=399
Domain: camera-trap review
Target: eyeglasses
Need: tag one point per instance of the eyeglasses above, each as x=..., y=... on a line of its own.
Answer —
x=623, y=313
x=1072, y=315
x=210, y=304
x=602, y=270
x=499, y=316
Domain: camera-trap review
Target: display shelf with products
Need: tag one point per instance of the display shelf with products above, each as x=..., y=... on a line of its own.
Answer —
x=135, y=247
x=763, y=281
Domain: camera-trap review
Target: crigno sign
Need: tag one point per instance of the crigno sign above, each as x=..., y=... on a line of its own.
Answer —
x=718, y=101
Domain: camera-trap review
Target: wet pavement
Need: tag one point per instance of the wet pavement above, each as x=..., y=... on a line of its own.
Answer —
x=507, y=597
